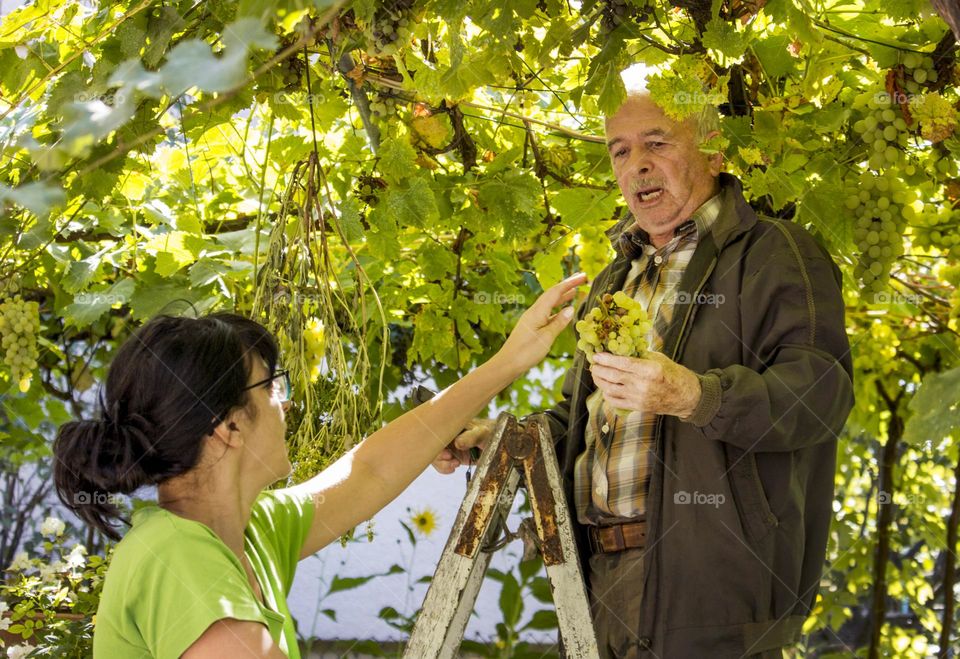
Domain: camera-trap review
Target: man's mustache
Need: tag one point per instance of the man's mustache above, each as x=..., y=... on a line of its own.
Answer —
x=645, y=184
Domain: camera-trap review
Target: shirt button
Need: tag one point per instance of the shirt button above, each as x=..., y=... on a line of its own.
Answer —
x=605, y=427
x=658, y=259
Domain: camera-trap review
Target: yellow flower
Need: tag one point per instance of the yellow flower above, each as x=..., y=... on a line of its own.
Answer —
x=424, y=521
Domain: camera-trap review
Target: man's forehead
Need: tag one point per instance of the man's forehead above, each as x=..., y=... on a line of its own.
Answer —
x=640, y=116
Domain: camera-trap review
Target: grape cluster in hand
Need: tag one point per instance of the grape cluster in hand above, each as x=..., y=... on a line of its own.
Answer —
x=619, y=325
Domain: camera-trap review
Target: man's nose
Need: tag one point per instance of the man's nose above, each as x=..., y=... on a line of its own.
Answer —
x=641, y=162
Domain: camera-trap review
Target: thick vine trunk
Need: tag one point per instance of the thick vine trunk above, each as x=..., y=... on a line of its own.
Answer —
x=950, y=568
x=881, y=555
x=949, y=11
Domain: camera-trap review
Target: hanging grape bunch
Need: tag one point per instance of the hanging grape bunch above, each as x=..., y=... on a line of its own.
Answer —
x=937, y=227
x=593, y=250
x=382, y=104
x=880, y=204
x=883, y=129
x=618, y=325
x=917, y=70
x=392, y=27
x=19, y=323
x=615, y=13
x=368, y=189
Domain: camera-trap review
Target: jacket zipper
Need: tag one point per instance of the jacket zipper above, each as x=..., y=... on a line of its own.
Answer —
x=654, y=511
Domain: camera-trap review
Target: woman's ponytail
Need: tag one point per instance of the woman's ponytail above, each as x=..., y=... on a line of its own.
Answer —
x=167, y=388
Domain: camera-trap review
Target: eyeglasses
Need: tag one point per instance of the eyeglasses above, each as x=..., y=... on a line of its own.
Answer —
x=280, y=388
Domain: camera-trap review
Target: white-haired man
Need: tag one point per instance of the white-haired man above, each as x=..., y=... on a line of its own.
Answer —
x=702, y=516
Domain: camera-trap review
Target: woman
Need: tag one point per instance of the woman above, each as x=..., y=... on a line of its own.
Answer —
x=196, y=407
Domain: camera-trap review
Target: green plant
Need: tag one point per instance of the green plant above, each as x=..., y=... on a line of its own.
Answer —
x=49, y=603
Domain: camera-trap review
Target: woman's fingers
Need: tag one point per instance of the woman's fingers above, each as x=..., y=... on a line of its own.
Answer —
x=555, y=295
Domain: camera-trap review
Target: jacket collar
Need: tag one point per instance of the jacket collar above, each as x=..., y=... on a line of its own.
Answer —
x=735, y=217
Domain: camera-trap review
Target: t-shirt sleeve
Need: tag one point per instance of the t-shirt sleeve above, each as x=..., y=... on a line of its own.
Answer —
x=184, y=588
x=284, y=519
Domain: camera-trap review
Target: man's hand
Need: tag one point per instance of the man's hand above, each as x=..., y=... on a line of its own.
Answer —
x=652, y=383
x=458, y=452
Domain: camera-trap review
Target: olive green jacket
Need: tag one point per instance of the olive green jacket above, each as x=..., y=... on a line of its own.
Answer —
x=740, y=498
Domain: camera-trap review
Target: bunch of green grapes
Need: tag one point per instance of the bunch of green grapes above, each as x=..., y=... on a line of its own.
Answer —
x=593, y=250
x=368, y=189
x=619, y=325
x=883, y=129
x=879, y=203
x=918, y=70
x=613, y=13
x=951, y=275
x=382, y=104
x=937, y=227
x=19, y=324
x=392, y=27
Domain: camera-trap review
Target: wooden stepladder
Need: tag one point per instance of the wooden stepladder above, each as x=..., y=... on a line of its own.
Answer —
x=440, y=626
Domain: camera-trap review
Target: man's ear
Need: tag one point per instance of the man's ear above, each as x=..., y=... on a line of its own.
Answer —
x=714, y=160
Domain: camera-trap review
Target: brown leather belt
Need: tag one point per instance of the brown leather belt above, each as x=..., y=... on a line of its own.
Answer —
x=606, y=539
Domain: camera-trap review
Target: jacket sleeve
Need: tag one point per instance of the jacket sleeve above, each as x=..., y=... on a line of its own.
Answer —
x=800, y=390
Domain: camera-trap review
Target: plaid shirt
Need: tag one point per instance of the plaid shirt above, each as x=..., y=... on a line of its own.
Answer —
x=613, y=473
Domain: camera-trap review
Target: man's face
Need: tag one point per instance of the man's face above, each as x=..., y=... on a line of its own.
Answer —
x=662, y=174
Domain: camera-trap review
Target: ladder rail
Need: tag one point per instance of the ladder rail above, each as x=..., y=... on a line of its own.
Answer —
x=440, y=626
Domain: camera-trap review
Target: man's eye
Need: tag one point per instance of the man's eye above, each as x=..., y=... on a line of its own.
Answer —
x=656, y=145
x=619, y=152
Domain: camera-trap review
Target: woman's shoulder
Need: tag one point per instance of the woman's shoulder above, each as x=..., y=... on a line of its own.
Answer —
x=160, y=538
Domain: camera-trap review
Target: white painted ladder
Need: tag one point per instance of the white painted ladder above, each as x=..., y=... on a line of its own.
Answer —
x=439, y=629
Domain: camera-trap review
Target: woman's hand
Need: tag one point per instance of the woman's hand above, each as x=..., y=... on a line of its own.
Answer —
x=530, y=340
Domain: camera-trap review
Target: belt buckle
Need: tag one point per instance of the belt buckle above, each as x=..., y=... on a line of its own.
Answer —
x=594, y=536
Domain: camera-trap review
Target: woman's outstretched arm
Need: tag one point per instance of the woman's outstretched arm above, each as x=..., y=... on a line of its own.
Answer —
x=376, y=470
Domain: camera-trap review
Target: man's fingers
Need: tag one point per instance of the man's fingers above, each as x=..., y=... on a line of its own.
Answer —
x=614, y=361
x=446, y=466
x=470, y=437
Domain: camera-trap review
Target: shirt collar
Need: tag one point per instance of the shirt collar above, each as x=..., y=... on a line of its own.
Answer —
x=634, y=239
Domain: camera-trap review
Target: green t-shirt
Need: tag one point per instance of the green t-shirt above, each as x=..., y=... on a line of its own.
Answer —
x=171, y=578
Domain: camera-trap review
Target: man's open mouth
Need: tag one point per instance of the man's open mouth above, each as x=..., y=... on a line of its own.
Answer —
x=649, y=194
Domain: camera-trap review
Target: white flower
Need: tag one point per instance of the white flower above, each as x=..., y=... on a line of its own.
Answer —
x=3, y=607
x=20, y=562
x=77, y=558
x=4, y=624
x=52, y=527
x=19, y=651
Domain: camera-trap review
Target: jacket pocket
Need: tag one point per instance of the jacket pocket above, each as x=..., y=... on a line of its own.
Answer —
x=750, y=500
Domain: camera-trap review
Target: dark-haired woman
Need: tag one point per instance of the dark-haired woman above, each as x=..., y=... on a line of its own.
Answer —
x=196, y=407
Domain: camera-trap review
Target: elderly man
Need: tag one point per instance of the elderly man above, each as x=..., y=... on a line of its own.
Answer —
x=702, y=516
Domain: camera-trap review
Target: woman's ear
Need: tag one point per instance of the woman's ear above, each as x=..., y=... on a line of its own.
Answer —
x=228, y=432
